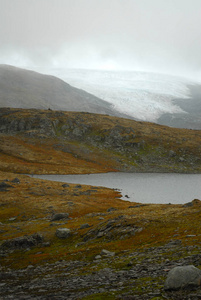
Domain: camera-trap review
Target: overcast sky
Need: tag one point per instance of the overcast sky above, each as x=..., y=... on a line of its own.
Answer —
x=150, y=35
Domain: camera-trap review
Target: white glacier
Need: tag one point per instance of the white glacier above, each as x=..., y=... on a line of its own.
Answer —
x=141, y=95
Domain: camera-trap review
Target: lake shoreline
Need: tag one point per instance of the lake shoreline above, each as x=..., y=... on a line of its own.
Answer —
x=163, y=188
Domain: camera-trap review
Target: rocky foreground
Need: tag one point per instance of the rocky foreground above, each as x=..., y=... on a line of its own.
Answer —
x=133, y=275
x=64, y=241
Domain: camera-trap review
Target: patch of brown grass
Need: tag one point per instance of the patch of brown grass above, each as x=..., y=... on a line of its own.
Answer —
x=32, y=156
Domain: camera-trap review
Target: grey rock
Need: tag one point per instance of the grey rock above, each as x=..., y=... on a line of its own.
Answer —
x=59, y=216
x=105, y=252
x=63, y=233
x=172, y=153
x=188, y=204
x=174, y=243
x=16, y=180
x=83, y=226
x=111, y=209
x=65, y=185
x=100, y=234
x=77, y=132
x=183, y=277
x=98, y=257
x=12, y=219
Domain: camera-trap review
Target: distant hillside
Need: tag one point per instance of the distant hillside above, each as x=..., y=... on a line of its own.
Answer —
x=21, y=88
x=56, y=142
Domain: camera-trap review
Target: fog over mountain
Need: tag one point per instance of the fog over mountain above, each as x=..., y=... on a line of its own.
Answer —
x=140, y=35
x=146, y=37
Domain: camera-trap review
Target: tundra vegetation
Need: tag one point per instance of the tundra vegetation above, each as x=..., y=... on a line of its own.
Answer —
x=70, y=241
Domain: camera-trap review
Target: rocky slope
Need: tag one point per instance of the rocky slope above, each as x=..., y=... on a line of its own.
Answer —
x=31, y=138
x=22, y=88
x=191, y=117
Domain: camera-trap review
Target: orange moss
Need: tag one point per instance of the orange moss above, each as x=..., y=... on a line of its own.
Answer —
x=18, y=155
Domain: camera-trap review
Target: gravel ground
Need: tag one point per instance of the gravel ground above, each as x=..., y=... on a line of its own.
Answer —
x=137, y=275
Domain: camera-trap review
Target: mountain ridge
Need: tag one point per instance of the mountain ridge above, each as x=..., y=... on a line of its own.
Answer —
x=20, y=88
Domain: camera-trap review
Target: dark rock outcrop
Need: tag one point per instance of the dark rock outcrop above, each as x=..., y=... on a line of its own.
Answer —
x=23, y=242
x=4, y=186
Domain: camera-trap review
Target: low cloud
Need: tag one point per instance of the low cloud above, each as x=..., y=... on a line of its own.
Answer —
x=157, y=35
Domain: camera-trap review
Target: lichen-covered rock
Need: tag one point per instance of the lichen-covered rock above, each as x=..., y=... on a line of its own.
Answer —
x=183, y=277
x=118, y=228
x=59, y=216
x=63, y=233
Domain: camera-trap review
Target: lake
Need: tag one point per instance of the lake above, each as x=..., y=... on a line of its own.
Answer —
x=142, y=187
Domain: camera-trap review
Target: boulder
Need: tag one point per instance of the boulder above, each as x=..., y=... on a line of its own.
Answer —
x=183, y=277
x=59, y=216
x=63, y=233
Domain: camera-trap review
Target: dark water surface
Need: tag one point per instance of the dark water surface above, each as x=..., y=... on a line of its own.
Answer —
x=142, y=187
